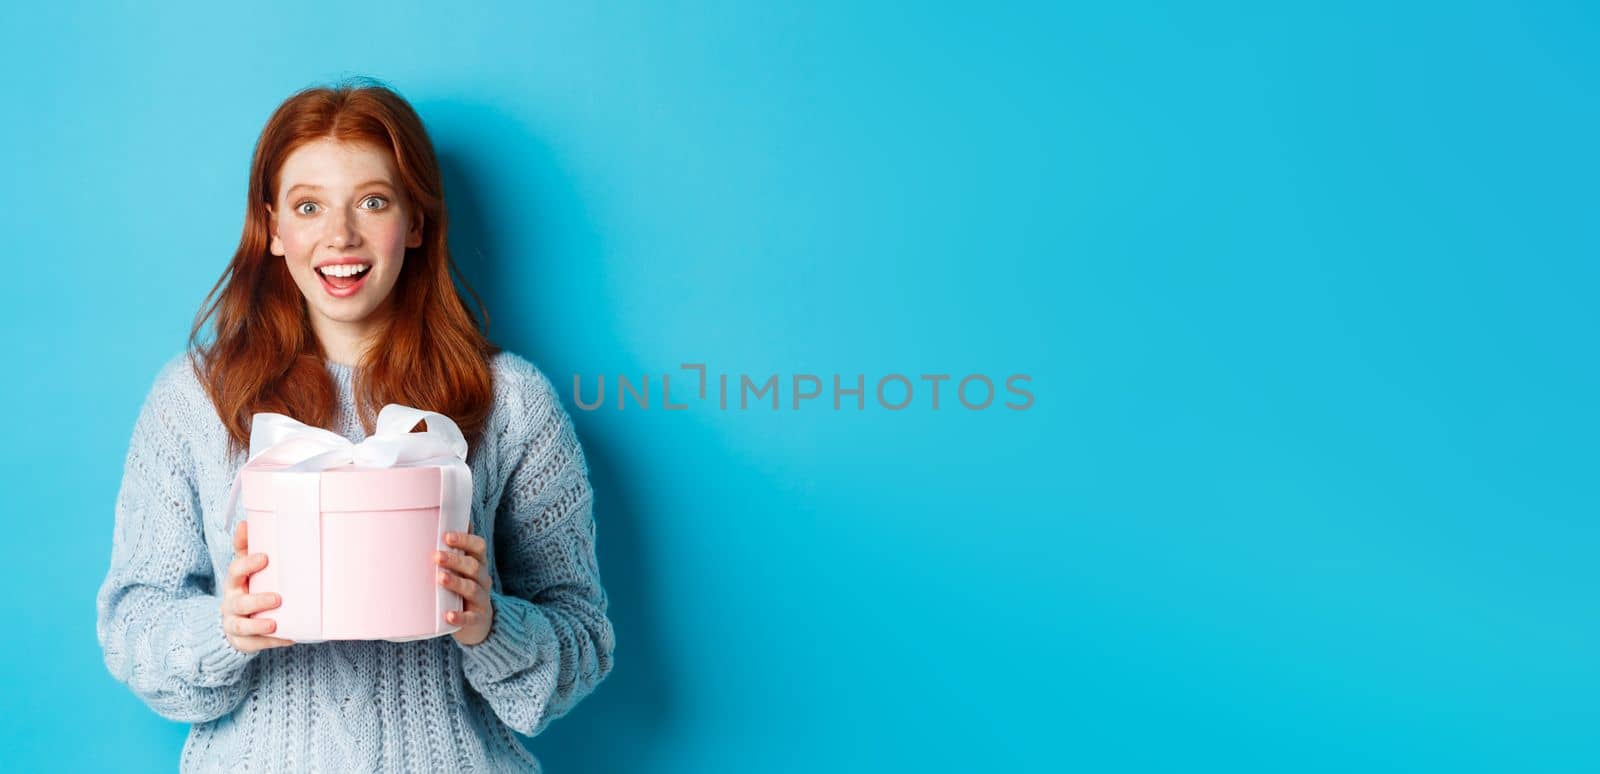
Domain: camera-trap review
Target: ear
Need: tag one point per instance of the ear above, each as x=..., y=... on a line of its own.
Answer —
x=275, y=246
x=414, y=237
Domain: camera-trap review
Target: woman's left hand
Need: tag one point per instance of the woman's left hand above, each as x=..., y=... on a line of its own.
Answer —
x=468, y=575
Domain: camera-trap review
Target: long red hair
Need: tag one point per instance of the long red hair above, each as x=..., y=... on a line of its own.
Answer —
x=434, y=355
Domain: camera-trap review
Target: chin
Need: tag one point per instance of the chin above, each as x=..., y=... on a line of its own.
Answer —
x=345, y=314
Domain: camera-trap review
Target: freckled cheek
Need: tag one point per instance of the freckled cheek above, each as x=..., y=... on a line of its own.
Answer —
x=298, y=245
x=393, y=240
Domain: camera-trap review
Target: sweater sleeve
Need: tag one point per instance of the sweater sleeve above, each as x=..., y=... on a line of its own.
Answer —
x=159, y=620
x=550, y=643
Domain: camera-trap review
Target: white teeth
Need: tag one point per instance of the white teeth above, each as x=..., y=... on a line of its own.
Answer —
x=344, y=269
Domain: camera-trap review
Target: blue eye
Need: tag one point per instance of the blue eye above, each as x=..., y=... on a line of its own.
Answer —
x=298, y=207
x=385, y=202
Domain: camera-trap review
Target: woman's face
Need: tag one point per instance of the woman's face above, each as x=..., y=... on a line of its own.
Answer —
x=342, y=223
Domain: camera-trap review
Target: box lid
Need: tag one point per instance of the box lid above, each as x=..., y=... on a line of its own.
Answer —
x=348, y=488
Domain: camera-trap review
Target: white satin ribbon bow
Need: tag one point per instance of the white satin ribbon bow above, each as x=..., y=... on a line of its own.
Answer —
x=283, y=440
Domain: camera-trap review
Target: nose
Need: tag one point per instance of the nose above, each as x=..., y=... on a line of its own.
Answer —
x=341, y=230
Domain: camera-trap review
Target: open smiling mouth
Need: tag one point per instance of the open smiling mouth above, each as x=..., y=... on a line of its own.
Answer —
x=343, y=279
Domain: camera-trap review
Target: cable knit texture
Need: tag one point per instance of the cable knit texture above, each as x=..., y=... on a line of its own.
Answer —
x=345, y=705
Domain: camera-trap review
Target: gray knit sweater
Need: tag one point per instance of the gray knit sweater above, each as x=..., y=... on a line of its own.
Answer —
x=346, y=706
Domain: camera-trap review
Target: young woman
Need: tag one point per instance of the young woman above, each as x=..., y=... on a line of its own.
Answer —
x=338, y=301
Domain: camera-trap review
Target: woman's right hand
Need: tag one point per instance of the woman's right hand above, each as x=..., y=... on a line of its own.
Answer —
x=244, y=633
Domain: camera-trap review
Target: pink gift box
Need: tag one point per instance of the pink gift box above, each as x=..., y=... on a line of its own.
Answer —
x=350, y=549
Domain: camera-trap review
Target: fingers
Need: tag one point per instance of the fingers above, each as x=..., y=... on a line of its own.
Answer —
x=249, y=634
x=242, y=567
x=254, y=643
x=466, y=541
x=463, y=617
x=240, y=626
x=465, y=564
x=240, y=540
x=250, y=604
x=468, y=588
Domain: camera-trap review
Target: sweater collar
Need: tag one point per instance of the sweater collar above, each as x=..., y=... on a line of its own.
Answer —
x=343, y=374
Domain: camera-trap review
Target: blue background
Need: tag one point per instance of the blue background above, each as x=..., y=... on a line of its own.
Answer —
x=1307, y=297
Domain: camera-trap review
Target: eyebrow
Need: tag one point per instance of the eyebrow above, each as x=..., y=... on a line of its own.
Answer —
x=383, y=183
